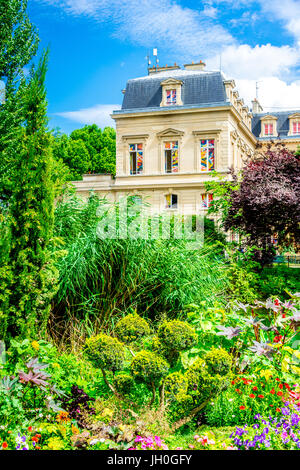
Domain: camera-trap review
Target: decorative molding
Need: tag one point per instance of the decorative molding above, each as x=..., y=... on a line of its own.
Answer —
x=171, y=81
x=135, y=137
x=269, y=117
x=170, y=132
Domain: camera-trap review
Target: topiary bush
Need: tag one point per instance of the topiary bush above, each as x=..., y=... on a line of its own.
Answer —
x=175, y=383
x=105, y=352
x=149, y=368
x=131, y=328
x=124, y=384
x=175, y=336
x=218, y=361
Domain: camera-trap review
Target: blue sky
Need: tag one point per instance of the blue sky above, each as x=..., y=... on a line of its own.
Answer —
x=97, y=45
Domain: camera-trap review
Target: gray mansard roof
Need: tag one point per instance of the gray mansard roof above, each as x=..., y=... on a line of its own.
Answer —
x=282, y=124
x=198, y=88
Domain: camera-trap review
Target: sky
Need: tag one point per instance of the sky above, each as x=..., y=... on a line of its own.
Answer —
x=97, y=45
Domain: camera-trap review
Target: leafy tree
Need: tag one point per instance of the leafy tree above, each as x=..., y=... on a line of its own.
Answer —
x=267, y=201
x=18, y=44
x=32, y=217
x=87, y=150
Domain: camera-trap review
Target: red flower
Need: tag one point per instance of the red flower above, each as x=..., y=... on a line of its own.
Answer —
x=278, y=410
x=280, y=394
x=4, y=445
x=272, y=391
x=283, y=315
x=280, y=386
x=233, y=382
x=252, y=395
x=272, y=405
x=35, y=439
x=277, y=339
x=254, y=389
x=260, y=396
x=30, y=428
x=242, y=407
x=238, y=390
x=276, y=302
x=278, y=380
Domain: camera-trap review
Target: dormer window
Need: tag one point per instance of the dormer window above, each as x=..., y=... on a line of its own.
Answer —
x=268, y=126
x=171, y=97
x=171, y=92
x=269, y=129
x=296, y=127
x=294, y=120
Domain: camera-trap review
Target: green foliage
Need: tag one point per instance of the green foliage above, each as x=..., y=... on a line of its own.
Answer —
x=101, y=277
x=18, y=45
x=177, y=335
x=31, y=213
x=131, y=328
x=148, y=367
x=175, y=383
x=218, y=362
x=86, y=150
x=208, y=376
x=124, y=384
x=105, y=352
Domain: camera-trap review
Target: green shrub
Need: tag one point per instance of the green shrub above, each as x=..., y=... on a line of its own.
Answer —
x=218, y=361
x=131, y=328
x=105, y=352
x=209, y=376
x=148, y=367
x=177, y=335
x=124, y=384
x=175, y=383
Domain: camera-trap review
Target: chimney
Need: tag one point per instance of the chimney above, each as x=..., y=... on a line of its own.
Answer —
x=256, y=107
x=166, y=68
x=198, y=66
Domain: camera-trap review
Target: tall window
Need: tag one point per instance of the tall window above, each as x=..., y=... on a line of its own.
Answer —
x=269, y=129
x=171, y=97
x=171, y=201
x=296, y=127
x=207, y=151
x=171, y=157
x=207, y=200
x=136, y=159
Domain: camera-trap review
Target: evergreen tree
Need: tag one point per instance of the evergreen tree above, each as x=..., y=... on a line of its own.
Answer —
x=18, y=44
x=32, y=217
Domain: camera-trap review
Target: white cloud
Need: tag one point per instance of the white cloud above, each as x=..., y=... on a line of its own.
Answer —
x=287, y=11
x=98, y=114
x=253, y=62
x=273, y=94
x=180, y=31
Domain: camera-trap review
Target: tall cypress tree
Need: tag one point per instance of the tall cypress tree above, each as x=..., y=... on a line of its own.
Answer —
x=32, y=216
x=18, y=44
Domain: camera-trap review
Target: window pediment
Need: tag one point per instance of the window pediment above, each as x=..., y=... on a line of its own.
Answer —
x=294, y=116
x=170, y=132
x=269, y=117
x=171, y=81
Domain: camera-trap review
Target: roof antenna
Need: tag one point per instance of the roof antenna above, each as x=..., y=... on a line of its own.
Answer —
x=148, y=59
x=155, y=55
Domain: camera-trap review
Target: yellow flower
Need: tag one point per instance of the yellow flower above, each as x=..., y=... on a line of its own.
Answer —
x=57, y=366
x=267, y=373
x=74, y=430
x=35, y=345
